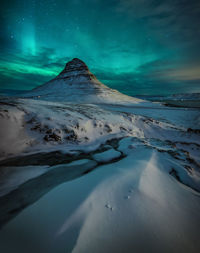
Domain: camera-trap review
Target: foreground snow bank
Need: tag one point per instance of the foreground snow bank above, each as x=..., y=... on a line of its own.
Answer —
x=136, y=202
x=133, y=205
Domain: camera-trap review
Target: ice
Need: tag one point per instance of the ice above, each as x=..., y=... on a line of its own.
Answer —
x=12, y=177
x=107, y=156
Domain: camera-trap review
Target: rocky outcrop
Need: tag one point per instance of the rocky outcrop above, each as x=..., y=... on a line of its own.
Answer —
x=76, y=69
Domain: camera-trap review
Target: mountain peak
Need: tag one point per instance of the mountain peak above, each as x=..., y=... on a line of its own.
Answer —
x=76, y=60
x=75, y=65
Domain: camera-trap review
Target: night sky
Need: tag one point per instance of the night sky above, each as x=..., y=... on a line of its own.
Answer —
x=136, y=46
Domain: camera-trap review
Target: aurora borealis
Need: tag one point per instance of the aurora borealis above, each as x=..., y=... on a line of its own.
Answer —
x=136, y=46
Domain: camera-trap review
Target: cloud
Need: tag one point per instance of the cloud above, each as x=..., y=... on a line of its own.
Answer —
x=156, y=77
x=27, y=71
x=178, y=19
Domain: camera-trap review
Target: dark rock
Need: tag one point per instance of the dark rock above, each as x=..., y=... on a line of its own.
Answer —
x=195, y=131
x=52, y=137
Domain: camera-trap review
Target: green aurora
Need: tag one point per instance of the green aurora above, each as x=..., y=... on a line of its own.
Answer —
x=136, y=46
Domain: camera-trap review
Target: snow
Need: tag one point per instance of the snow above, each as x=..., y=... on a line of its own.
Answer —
x=119, y=206
x=76, y=84
x=81, y=162
x=154, y=213
x=75, y=168
x=36, y=125
x=144, y=196
x=192, y=149
x=187, y=100
x=59, y=90
x=12, y=135
x=107, y=156
x=44, y=125
x=12, y=177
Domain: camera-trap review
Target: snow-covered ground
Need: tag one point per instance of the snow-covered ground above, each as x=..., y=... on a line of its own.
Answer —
x=107, y=174
x=180, y=100
x=142, y=196
x=133, y=205
x=29, y=126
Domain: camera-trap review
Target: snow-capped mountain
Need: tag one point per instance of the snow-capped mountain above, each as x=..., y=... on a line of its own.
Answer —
x=77, y=84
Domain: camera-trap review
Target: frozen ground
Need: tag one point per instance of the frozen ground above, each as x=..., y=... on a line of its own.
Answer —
x=188, y=100
x=99, y=178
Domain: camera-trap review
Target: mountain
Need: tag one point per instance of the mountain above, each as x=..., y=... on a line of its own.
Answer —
x=189, y=100
x=77, y=84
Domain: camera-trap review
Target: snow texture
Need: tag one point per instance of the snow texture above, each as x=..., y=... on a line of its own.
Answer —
x=107, y=156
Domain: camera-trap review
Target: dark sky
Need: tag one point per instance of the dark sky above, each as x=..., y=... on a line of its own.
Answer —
x=136, y=46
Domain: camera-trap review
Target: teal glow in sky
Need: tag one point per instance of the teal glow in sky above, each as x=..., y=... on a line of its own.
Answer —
x=136, y=46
